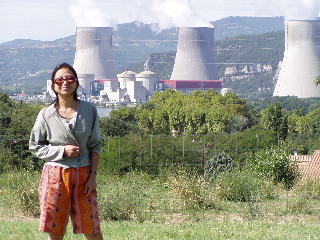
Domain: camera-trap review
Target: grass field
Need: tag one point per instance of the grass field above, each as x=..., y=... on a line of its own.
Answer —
x=176, y=226
x=26, y=229
x=177, y=209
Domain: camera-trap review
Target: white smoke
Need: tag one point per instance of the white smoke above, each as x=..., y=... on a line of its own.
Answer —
x=87, y=13
x=290, y=9
x=169, y=13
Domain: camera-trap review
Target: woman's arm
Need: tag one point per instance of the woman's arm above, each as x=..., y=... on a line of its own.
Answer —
x=39, y=144
x=91, y=183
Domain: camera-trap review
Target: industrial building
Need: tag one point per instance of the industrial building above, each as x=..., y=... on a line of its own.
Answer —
x=96, y=72
x=189, y=86
x=300, y=66
x=194, y=67
x=131, y=87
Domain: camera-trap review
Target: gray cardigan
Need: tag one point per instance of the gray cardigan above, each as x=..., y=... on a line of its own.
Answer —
x=49, y=136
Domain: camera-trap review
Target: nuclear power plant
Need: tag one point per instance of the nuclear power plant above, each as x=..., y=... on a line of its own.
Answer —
x=94, y=52
x=194, y=66
x=96, y=69
x=300, y=66
x=195, y=55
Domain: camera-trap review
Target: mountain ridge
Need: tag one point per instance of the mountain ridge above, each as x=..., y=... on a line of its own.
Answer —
x=25, y=63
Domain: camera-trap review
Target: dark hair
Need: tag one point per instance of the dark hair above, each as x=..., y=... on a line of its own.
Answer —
x=58, y=67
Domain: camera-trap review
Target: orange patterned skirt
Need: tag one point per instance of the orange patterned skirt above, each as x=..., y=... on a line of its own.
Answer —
x=61, y=194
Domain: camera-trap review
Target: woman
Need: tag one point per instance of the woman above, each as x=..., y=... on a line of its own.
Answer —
x=66, y=136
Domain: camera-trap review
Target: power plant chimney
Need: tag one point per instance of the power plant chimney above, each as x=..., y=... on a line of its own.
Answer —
x=94, y=52
x=300, y=65
x=195, y=55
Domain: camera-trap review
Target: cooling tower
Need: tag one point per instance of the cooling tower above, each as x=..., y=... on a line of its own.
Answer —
x=195, y=54
x=300, y=65
x=94, y=52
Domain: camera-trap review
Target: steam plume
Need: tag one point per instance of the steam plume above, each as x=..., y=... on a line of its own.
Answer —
x=86, y=13
x=169, y=13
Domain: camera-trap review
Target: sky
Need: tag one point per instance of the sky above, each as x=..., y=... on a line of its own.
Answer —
x=48, y=20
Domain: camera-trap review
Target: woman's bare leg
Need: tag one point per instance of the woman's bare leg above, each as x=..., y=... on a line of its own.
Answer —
x=94, y=236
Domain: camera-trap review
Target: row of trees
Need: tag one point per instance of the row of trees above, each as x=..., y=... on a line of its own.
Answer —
x=196, y=113
x=203, y=122
x=208, y=112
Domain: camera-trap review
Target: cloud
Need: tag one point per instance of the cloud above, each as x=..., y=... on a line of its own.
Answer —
x=169, y=13
x=87, y=13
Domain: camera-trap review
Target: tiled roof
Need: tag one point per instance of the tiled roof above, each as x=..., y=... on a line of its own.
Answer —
x=308, y=165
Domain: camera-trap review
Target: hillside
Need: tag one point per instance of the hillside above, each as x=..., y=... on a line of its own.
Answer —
x=237, y=26
x=25, y=64
x=246, y=64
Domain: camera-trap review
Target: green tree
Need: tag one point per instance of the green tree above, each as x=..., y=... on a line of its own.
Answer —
x=16, y=122
x=195, y=120
x=197, y=113
x=160, y=120
x=274, y=163
x=111, y=126
x=217, y=121
x=126, y=114
x=315, y=119
x=144, y=119
x=273, y=118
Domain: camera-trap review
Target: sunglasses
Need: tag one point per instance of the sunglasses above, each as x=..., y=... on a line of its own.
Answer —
x=69, y=80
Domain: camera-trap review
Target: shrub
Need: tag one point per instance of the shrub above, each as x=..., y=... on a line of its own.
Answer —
x=191, y=190
x=299, y=205
x=309, y=190
x=243, y=186
x=274, y=164
x=219, y=163
x=123, y=198
x=20, y=191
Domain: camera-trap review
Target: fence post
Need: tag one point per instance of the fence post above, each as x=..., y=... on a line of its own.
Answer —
x=183, y=148
x=119, y=152
x=140, y=154
x=278, y=134
x=11, y=155
x=236, y=143
x=202, y=154
x=151, y=143
x=202, y=161
x=12, y=142
x=108, y=147
x=215, y=144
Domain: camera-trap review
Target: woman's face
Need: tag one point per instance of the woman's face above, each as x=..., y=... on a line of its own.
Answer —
x=65, y=88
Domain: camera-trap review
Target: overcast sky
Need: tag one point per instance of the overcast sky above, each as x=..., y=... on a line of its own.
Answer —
x=52, y=19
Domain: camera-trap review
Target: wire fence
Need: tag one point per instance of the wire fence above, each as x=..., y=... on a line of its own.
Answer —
x=153, y=151
x=163, y=177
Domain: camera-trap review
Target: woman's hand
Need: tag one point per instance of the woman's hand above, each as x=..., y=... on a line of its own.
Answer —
x=71, y=151
x=91, y=184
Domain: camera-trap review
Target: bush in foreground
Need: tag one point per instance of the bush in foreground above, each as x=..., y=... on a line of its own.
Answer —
x=275, y=165
x=19, y=191
x=191, y=191
x=123, y=197
x=243, y=186
x=217, y=164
